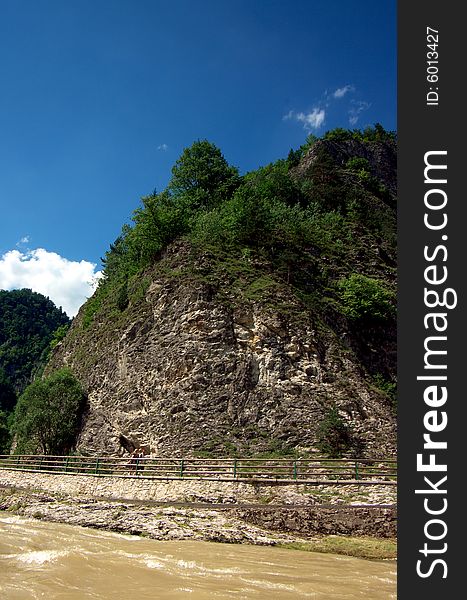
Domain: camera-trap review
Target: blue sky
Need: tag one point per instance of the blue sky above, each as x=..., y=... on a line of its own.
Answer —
x=99, y=98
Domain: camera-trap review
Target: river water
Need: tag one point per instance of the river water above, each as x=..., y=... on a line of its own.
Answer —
x=63, y=562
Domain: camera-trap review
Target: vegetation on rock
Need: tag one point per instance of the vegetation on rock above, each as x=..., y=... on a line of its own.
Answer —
x=247, y=305
x=312, y=228
x=334, y=436
x=364, y=298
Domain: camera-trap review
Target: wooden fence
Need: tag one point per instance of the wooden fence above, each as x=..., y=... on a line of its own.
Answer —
x=360, y=470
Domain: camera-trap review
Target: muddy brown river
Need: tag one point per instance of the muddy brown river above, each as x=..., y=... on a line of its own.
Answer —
x=63, y=562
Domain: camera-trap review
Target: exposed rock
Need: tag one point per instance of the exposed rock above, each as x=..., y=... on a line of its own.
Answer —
x=220, y=354
x=318, y=520
x=382, y=158
x=252, y=525
x=186, y=370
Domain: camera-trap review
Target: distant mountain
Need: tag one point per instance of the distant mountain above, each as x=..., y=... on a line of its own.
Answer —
x=28, y=321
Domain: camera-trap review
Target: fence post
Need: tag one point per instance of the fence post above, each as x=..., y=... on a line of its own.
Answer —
x=235, y=468
x=66, y=463
x=96, y=472
x=181, y=467
x=295, y=469
x=356, y=470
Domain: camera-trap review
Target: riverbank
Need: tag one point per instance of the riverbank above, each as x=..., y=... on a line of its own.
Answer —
x=248, y=524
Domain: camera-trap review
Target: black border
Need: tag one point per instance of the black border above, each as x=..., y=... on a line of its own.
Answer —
x=423, y=128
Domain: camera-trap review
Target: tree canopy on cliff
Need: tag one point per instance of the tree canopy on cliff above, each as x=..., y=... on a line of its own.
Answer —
x=289, y=213
x=202, y=177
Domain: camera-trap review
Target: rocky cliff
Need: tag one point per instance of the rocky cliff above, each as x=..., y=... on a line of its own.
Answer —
x=216, y=353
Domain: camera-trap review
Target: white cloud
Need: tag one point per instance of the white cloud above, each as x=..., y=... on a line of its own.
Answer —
x=163, y=147
x=23, y=240
x=311, y=120
x=341, y=92
x=67, y=283
x=356, y=109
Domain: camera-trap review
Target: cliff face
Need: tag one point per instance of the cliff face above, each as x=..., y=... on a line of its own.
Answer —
x=218, y=354
x=381, y=157
x=188, y=369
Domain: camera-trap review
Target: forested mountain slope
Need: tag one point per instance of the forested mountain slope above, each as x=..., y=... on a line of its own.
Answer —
x=28, y=321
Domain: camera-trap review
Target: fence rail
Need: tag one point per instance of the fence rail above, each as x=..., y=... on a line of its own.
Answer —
x=326, y=470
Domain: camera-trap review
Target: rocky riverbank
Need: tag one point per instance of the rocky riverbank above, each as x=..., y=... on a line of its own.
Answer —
x=290, y=525
x=156, y=522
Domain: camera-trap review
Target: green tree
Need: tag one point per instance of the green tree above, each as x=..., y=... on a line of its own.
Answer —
x=5, y=437
x=338, y=135
x=246, y=216
x=48, y=413
x=157, y=223
x=365, y=298
x=202, y=176
x=358, y=164
x=377, y=133
x=116, y=261
x=59, y=335
x=334, y=436
x=273, y=183
x=7, y=393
